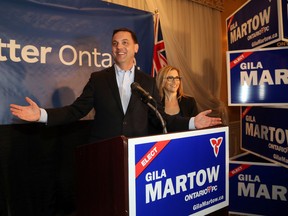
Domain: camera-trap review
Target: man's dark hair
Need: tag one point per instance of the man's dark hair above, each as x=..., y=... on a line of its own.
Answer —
x=133, y=35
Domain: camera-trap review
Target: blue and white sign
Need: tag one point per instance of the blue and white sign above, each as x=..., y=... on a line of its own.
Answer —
x=179, y=174
x=48, y=50
x=257, y=24
x=264, y=132
x=258, y=77
x=285, y=18
x=257, y=187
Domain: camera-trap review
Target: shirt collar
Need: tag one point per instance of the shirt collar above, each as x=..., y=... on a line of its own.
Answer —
x=119, y=70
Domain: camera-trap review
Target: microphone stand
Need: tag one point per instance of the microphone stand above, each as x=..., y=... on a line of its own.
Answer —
x=163, y=123
x=146, y=98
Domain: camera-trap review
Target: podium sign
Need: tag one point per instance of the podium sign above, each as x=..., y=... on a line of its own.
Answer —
x=178, y=174
x=258, y=77
x=265, y=133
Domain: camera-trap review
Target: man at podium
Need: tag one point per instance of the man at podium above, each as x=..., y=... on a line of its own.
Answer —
x=118, y=111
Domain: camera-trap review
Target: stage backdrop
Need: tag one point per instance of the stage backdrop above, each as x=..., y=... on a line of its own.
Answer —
x=48, y=50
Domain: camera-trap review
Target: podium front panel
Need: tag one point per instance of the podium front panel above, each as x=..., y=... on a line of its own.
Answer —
x=179, y=173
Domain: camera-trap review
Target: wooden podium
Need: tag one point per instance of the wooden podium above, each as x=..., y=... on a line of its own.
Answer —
x=102, y=178
x=143, y=176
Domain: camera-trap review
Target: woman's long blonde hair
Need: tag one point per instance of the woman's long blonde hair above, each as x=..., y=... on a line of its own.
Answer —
x=161, y=79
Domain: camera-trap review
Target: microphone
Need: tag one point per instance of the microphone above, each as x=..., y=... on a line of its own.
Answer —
x=146, y=97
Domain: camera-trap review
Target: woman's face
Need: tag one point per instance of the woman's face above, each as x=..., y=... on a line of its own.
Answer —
x=172, y=82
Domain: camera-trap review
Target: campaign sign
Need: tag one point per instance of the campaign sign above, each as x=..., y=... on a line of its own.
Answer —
x=258, y=77
x=265, y=133
x=257, y=187
x=257, y=24
x=179, y=174
x=285, y=20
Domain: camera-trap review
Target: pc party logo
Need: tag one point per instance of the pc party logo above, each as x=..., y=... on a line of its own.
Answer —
x=216, y=143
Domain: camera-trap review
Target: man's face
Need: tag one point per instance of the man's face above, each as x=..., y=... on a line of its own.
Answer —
x=124, y=48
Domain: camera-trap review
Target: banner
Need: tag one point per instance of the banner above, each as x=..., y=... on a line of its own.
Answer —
x=257, y=25
x=257, y=187
x=48, y=51
x=179, y=174
x=258, y=77
x=264, y=132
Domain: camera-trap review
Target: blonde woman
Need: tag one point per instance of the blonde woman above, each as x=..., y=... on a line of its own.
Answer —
x=169, y=83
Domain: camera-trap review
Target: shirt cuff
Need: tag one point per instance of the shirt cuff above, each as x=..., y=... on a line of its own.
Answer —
x=192, y=124
x=43, y=116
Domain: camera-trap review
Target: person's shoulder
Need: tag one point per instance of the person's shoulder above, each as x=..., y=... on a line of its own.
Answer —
x=102, y=73
x=188, y=105
x=143, y=75
x=187, y=98
x=141, y=72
